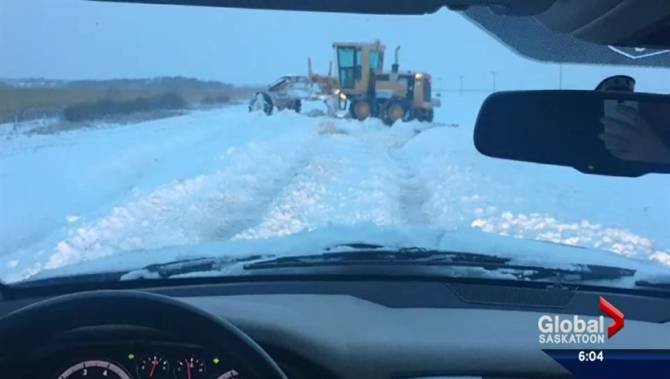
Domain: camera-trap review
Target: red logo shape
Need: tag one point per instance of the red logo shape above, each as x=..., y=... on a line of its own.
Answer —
x=615, y=314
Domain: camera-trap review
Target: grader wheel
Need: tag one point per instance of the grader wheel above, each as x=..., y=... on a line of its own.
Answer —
x=360, y=109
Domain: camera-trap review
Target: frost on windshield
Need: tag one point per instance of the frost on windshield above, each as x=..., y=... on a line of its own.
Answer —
x=200, y=170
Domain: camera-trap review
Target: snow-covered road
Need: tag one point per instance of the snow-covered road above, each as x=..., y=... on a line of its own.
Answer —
x=226, y=174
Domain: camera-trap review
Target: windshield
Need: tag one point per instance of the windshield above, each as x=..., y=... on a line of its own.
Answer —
x=137, y=134
x=376, y=61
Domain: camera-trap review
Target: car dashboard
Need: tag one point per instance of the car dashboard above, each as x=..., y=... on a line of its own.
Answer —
x=378, y=328
x=127, y=352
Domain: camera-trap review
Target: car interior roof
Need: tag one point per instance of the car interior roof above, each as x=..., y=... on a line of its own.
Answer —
x=573, y=31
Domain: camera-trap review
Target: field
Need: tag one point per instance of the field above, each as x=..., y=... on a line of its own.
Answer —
x=31, y=101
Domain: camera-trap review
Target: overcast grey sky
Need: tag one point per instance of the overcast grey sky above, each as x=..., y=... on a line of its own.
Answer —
x=76, y=39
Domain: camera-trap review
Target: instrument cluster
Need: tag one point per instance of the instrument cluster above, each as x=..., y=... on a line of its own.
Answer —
x=149, y=362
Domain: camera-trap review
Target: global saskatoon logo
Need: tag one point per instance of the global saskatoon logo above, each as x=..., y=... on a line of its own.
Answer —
x=555, y=329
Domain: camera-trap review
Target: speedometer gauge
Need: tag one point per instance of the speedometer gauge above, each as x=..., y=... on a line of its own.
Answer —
x=94, y=370
x=190, y=368
x=153, y=367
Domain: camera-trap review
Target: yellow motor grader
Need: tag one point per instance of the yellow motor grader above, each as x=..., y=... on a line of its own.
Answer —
x=367, y=91
x=360, y=87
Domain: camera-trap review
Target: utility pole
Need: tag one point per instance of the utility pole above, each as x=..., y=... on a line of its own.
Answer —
x=494, y=74
x=460, y=85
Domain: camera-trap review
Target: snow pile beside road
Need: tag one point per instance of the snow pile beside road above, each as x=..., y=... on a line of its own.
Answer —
x=547, y=228
x=527, y=201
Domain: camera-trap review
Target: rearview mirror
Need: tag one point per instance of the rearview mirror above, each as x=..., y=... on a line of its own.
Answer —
x=595, y=132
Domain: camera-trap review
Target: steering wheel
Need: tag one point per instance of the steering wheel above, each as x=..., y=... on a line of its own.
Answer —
x=24, y=330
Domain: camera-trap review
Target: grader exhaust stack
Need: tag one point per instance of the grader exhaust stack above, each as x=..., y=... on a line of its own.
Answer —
x=396, y=64
x=309, y=68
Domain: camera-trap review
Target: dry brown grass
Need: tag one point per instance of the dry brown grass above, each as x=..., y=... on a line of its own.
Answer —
x=18, y=104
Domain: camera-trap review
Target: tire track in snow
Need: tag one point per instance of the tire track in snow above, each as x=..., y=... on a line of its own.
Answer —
x=285, y=213
x=211, y=206
x=413, y=195
x=352, y=177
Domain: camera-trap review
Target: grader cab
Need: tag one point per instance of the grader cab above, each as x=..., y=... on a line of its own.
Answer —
x=367, y=91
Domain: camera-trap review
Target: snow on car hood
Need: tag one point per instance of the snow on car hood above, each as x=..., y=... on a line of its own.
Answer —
x=523, y=252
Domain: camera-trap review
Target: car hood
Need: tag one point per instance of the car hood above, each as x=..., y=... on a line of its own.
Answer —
x=333, y=239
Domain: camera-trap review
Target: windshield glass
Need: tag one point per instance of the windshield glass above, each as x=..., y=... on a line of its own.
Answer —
x=138, y=134
x=376, y=62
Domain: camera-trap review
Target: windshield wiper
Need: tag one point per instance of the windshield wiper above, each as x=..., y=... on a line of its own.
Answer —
x=368, y=255
x=427, y=257
x=202, y=264
x=186, y=266
x=648, y=284
x=356, y=245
